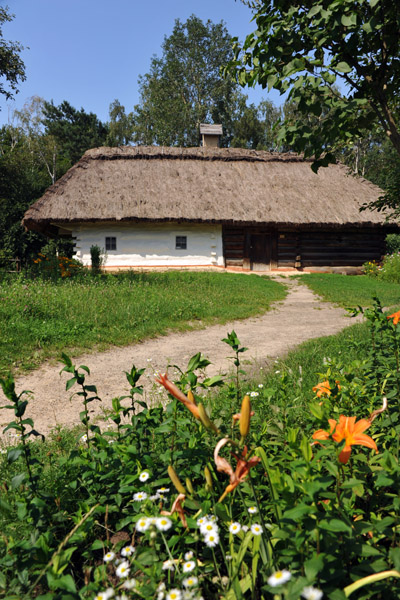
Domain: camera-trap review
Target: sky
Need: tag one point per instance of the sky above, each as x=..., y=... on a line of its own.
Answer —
x=91, y=52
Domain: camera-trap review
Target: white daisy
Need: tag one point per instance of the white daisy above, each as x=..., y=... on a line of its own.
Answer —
x=208, y=527
x=188, y=566
x=143, y=524
x=109, y=556
x=168, y=565
x=163, y=490
x=83, y=438
x=254, y=394
x=312, y=593
x=174, y=595
x=234, y=528
x=127, y=551
x=228, y=557
x=260, y=385
x=144, y=476
x=279, y=577
x=190, y=581
x=188, y=555
x=212, y=518
x=163, y=523
x=211, y=539
x=129, y=584
x=252, y=510
x=256, y=529
x=155, y=497
x=201, y=520
x=245, y=528
x=108, y=593
x=123, y=569
x=140, y=496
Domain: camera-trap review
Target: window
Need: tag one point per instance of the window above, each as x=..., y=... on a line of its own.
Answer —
x=181, y=242
x=111, y=243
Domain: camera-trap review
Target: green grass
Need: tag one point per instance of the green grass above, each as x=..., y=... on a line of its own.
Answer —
x=41, y=319
x=352, y=290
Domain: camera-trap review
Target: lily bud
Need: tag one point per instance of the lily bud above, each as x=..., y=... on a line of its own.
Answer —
x=189, y=486
x=205, y=419
x=175, y=480
x=191, y=397
x=244, y=421
x=209, y=482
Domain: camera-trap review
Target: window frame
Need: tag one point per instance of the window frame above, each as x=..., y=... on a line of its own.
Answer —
x=111, y=241
x=181, y=242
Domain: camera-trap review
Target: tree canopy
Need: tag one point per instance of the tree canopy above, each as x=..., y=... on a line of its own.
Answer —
x=309, y=47
x=12, y=69
x=184, y=86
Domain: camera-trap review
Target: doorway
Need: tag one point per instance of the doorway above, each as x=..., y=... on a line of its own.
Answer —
x=260, y=252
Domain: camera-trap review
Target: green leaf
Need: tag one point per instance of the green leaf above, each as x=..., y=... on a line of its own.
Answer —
x=14, y=454
x=349, y=20
x=297, y=512
x=335, y=525
x=18, y=480
x=70, y=383
x=342, y=67
x=61, y=583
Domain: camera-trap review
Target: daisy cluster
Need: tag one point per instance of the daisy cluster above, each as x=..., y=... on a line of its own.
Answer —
x=209, y=529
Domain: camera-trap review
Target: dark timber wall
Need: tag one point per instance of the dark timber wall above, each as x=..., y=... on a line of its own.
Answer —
x=304, y=248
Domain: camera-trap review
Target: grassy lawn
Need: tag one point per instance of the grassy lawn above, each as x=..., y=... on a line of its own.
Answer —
x=348, y=290
x=40, y=319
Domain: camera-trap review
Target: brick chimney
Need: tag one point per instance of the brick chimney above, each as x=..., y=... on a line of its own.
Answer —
x=210, y=135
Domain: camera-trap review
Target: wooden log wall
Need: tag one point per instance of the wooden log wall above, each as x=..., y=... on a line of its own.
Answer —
x=233, y=240
x=310, y=248
x=334, y=248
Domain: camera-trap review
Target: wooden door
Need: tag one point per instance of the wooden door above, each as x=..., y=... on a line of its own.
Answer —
x=260, y=251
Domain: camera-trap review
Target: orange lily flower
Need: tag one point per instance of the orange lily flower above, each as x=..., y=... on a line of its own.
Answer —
x=242, y=468
x=177, y=507
x=395, y=316
x=347, y=429
x=324, y=388
x=176, y=392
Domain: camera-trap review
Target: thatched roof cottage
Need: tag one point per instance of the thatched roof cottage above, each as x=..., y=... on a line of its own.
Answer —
x=202, y=207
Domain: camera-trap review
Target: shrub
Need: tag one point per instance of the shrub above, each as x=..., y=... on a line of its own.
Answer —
x=97, y=257
x=392, y=243
x=390, y=269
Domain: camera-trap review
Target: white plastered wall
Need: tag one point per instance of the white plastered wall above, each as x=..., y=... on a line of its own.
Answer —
x=151, y=244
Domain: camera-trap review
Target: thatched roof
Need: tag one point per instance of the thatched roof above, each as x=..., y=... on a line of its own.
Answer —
x=214, y=185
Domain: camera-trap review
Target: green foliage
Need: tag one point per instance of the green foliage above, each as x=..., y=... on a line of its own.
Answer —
x=97, y=258
x=12, y=69
x=306, y=48
x=390, y=268
x=104, y=515
x=120, y=127
x=393, y=243
x=40, y=318
x=185, y=88
x=74, y=131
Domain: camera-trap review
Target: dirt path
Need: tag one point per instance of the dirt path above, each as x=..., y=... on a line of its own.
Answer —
x=301, y=316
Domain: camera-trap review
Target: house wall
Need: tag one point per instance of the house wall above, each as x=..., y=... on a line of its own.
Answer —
x=307, y=248
x=152, y=244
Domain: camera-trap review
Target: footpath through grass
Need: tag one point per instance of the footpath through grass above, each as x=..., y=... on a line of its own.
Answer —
x=352, y=290
x=40, y=319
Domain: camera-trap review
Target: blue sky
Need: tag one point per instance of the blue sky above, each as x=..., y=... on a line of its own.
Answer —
x=90, y=52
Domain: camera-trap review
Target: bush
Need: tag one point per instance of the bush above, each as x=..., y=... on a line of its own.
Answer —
x=392, y=243
x=390, y=269
x=97, y=257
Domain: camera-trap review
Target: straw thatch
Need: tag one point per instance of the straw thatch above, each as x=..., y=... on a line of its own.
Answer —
x=218, y=185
